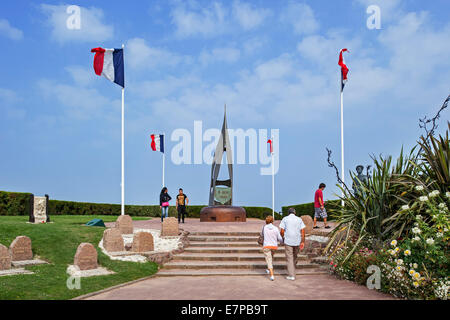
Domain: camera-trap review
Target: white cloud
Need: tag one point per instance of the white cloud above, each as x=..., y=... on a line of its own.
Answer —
x=140, y=55
x=92, y=28
x=9, y=100
x=9, y=31
x=301, y=18
x=248, y=16
x=205, y=21
x=81, y=75
x=228, y=55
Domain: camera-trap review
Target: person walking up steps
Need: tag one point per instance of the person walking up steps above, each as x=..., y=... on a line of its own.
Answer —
x=181, y=202
x=164, y=199
x=271, y=237
x=319, y=207
x=293, y=232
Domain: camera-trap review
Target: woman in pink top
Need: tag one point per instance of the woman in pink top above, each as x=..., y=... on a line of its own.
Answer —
x=271, y=237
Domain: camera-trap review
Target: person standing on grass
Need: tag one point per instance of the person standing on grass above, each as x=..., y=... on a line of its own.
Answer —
x=164, y=199
x=319, y=207
x=293, y=232
x=181, y=202
x=271, y=237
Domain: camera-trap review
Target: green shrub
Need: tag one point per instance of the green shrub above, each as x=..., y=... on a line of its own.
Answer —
x=308, y=209
x=15, y=203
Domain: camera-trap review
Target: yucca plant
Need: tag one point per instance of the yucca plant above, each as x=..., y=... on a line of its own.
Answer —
x=365, y=213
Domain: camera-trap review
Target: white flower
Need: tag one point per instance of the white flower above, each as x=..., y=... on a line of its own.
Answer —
x=418, y=217
x=433, y=193
x=393, y=243
x=430, y=241
x=399, y=261
x=445, y=229
x=416, y=238
x=439, y=235
x=415, y=284
x=419, y=188
x=447, y=194
x=405, y=207
x=416, y=275
x=407, y=252
x=415, y=265
x=442, y=205
x=411, y=272
x=423, y=198
x=416, y=230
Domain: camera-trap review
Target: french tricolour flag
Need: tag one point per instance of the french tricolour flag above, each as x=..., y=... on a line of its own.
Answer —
x=157, y=143
x=109, y=63
x=344, y=69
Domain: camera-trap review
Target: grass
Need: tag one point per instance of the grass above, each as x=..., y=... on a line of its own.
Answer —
x=57, y=243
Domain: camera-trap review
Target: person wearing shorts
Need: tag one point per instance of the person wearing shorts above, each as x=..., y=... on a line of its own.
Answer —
x=319, y=207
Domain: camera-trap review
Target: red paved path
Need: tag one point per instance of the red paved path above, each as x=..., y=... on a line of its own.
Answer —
x=320, y=287
x=311, y=287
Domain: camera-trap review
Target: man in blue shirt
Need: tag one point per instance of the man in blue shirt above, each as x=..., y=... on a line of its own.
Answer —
x=293, y=232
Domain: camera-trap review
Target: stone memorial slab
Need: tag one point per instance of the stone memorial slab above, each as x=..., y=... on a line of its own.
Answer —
x=39, y=213
x=21, y=249
x=143, y=242
x=308, y=221
x=86, y=257
x=5, y=258
x=125, y=224
x=113, y=240
x=169, y=227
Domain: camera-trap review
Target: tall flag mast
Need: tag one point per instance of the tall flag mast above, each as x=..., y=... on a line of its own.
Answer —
x=270, y=141
x=344, y=72
x=109, y=63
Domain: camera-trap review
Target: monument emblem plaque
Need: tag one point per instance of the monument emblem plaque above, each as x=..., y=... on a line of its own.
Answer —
x=221, y=207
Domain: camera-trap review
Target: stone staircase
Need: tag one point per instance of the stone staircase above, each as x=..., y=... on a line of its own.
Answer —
x=232, y=254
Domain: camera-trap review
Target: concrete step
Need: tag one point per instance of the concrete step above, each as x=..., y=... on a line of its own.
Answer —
x=231, y=265
x=223, y=234
x=258, y=257
x=223, y=244
x=236, y=250
x=232, y=272
x=223, y=239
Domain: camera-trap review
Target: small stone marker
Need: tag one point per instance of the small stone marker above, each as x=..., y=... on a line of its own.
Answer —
x=5, y=258
x=308, y=221
x=21, y=249
x=143, y=242
x=112, y=240
x=169, y=227
x=125, y=224
x=86, y=257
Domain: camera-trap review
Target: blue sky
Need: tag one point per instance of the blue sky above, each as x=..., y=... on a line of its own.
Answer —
x=274, y=63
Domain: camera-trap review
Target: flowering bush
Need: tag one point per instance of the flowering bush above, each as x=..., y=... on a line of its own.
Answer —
x=415, y=267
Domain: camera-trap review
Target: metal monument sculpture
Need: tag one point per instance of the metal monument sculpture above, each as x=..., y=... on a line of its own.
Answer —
x=222, y=195
x=221, y=207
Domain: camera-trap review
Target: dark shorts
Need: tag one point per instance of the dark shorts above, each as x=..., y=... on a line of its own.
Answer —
x=320, y=213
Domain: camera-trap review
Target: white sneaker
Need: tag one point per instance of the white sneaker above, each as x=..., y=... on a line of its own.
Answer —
x=267, y=271
x=290, y=278
x=272, y=278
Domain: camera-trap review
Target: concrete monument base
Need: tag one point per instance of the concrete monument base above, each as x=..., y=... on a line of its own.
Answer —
x=223, y=214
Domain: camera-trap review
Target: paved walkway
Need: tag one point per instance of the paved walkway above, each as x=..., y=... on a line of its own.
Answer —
x=259, y=287
x=314, y=287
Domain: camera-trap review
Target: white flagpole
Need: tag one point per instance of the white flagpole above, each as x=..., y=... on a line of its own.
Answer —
x=273, y=181
x=123, y=149
x=164, y=159
x=342, y=142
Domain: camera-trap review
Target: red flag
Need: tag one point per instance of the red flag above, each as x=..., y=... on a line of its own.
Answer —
x=344, y=68
x=271, y=146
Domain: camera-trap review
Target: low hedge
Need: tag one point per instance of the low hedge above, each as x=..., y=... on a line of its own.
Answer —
x=15, y=203
x=58, y=207
x=308, y=208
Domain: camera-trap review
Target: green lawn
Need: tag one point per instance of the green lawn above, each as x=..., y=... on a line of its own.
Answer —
x=57, y=243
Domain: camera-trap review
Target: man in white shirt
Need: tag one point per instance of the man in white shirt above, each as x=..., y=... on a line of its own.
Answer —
x=293, y=232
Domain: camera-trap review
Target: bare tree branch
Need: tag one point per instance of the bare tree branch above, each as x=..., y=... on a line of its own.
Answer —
x=332, y=165
x=425, y=122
